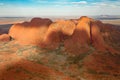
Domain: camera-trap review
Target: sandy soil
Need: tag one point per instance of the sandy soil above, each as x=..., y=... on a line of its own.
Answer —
x=115, y=22
x=13, y=20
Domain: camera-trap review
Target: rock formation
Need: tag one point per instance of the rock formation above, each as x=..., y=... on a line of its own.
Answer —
x=75, y=49
x=58, y=32
x=76, y=35
x=4, y=37
x=78, y=42
x=30, y=32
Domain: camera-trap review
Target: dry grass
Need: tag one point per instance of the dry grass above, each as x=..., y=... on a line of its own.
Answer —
x=11, y=54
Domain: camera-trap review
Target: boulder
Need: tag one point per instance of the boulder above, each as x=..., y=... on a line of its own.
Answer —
x=4, y=37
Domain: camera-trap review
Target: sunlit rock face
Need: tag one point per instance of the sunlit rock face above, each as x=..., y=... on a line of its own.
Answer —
x=31, y=32
x=4, y=37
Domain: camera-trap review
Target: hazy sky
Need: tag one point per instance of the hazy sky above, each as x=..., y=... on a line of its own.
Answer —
x=59, y=7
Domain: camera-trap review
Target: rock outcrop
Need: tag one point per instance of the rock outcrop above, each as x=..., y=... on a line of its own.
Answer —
x=75, y=49
x=4, y=37
x=79, y=41
x=76, y=35
x=58, y=32
x=87, y=33
x=31, y=32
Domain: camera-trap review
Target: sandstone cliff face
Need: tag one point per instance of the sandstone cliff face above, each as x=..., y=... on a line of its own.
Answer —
x=58, y=32
x=101, y=33
x=97, y=38
x=30, y=32
x=88, y=33
x=111, y=34
x=78, y=42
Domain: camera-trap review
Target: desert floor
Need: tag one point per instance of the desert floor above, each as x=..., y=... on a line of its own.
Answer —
x=115, y=22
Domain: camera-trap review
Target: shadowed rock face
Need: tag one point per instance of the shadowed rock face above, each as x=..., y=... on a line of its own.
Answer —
x=79, y=41
x=76, y=35
x=4, y=28
x=58, y=32
x=40, y=22
x=97, y=38
x=100, y=33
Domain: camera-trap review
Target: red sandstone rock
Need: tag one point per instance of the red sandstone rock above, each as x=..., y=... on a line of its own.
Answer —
x=30, y=32
x=40, y=22
x=77, y=35
x=4, y=37
x=57, y=32
x=78, y=42
x=75, y=21
x=98, y=28
x=97, y=38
